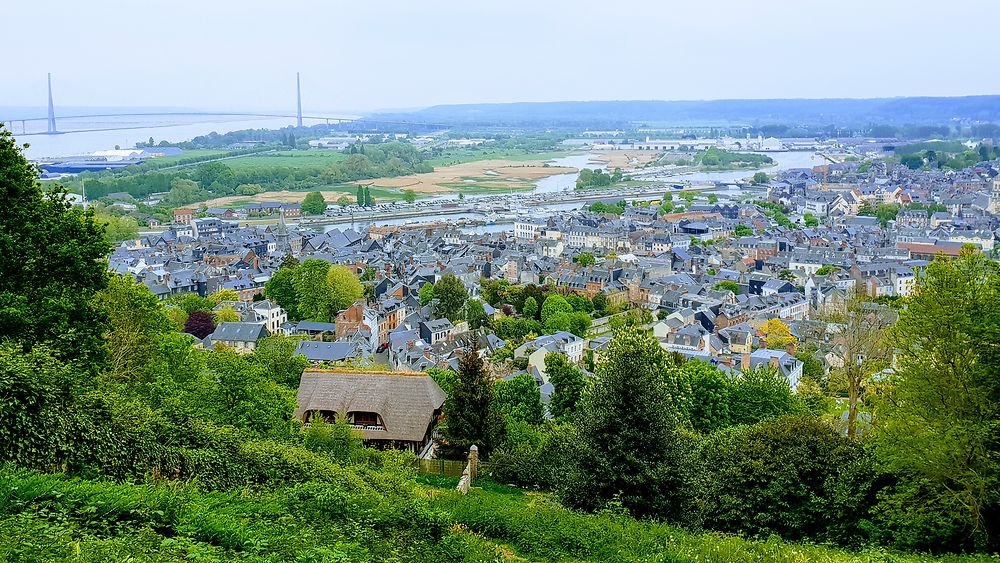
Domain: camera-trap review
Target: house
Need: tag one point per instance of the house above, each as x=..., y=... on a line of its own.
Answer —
x=242, y=337
x=785, y=364
x=435, y=331
x=183, y=216
x=568, y=344
x=318, y=352
x=392, y=410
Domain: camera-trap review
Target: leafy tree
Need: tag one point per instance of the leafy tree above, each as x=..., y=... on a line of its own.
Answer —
x=512, y=328
x=136, y=322
x=810, y=220
x=760, y=178
x=826, y=269
x=742, y=230
x=937, y=421
x=426, y=293
x=118, y=229
x=343, y=201
x=519, y=399
x=336, y=439
x=812, y=369
x=450, y=295
x=585, y=259
x=530, y=308
x=281, y=289
x=580, y=303
x=226, y=315
x=245, y=396
x=553, y=304
x=600, y=302
x=224, y=295
x=445, y=378
x=710, y=396
x=409, y=196
x=276, y=355
x=577, y=323
x=475, y=314
x=312, y=287
x=784, y=476
x=727, y=285
x=760, y=394
x=713, y=199
x=314, y=203
x=345, y=288
x=862, y=349
x=777, y=335
x=567, y=382
x=191, y=302
x=629, y=446
x=468, y=411
x=200, y=324
x=52, y=263
x=361, y=196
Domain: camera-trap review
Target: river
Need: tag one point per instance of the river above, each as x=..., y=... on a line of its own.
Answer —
x=127, y=130
x=784, y=160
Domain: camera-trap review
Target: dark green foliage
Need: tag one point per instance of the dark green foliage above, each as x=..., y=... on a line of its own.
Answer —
x=512, y=328
x=313, y=290
x=281, y=289
x=553, y=304
x=191, y=302
x=568, y=383
x=530, y=309
x=52, y=263
x=585, y=259
x=314, y=204
x=721, y=158
x=595, y=178
x=630, y=446
x=475, y=314
x=577, y=323
x=778, y=477
x=450, y=295
x=470, y=418
x=742, y=231
x=613, y=209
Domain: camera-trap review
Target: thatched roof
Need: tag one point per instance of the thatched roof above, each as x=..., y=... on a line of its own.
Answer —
x=406, y=403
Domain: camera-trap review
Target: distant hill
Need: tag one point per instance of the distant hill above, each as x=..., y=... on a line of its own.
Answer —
x=840, y=112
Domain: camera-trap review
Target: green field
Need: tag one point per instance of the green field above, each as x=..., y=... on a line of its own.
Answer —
x=302, y=160
x=196, y=153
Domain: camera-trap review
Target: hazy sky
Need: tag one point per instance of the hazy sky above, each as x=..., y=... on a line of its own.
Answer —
x=367, y=54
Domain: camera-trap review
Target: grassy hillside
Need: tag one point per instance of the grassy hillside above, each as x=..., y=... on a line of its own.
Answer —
x=367, y=516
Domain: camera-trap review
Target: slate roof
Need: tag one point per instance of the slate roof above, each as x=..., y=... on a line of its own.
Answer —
x=239, y=332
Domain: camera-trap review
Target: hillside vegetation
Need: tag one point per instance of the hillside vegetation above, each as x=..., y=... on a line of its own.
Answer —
x=121, y=441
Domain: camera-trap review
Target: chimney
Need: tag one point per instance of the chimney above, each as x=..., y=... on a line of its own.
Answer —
x=745, y=361
x=774, y=362
x=790, y=348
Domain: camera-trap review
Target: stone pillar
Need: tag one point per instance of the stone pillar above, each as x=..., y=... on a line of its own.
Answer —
x=473, y=462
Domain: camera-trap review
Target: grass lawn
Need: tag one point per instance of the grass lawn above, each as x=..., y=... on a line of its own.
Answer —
x=196, y=153
x=303, y=160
